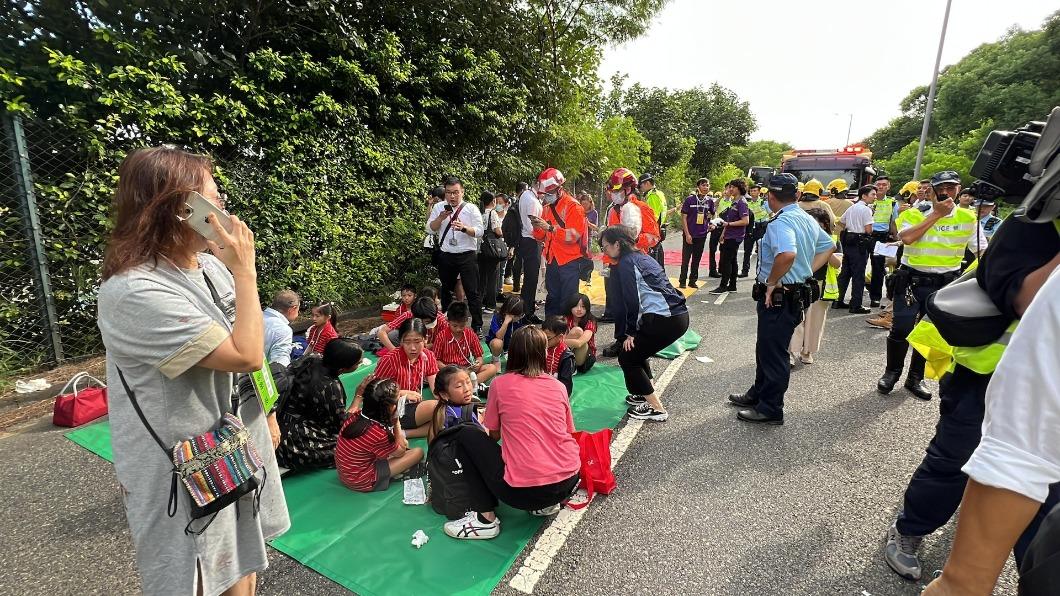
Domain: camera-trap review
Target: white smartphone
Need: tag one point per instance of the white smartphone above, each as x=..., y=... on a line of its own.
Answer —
x=196, y=208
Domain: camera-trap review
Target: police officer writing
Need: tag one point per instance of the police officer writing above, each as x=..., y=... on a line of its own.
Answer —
x=934, y=246
x=793, y=247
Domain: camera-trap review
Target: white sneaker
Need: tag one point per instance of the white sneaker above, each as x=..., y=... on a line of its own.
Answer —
x=547, y=511
x=470, y=527
x=806, y=358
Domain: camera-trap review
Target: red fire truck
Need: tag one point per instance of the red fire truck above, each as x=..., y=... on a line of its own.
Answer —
x=852, y=163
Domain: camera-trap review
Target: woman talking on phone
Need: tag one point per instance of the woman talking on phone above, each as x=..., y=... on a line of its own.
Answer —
x=177, y=323
x=649, y=313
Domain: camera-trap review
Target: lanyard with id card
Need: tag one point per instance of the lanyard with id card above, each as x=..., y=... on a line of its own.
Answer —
x=265, y=387
x=701, y=207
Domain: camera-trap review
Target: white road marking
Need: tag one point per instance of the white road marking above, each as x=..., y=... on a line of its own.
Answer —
x=555, y=535
x=721, y=298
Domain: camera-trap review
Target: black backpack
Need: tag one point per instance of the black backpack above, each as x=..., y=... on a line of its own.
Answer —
x=512, y=225
x=449, y=493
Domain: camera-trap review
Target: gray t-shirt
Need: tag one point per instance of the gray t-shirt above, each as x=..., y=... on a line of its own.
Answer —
x=157, y=324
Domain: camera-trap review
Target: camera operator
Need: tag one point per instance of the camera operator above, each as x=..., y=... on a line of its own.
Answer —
x=793, y=247
x=1009, y=493
x=934, y=246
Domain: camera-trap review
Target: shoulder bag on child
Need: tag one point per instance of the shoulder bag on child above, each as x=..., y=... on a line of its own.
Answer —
x=79, y=407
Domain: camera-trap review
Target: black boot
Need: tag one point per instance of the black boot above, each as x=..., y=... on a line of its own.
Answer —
x=895, y=362
x=914, y=381
x=612, y=350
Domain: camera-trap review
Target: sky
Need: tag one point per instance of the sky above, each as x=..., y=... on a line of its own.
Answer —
x=864, y=58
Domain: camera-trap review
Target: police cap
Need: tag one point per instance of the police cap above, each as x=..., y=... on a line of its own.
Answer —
x=784, y=183
x=983, y=202
x=646, y=177
x=945, y=177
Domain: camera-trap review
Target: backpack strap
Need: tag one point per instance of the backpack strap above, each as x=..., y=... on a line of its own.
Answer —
x=466, y=413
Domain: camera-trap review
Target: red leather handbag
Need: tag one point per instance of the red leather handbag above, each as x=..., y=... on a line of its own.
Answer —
x=79, y=407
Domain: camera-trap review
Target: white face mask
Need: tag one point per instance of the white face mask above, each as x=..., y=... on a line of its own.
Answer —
x=618, y=197
x=549, y=197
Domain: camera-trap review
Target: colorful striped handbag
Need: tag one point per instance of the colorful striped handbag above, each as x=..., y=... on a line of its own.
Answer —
x=217, y=467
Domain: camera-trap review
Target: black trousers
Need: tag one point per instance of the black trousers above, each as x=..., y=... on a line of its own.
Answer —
x=487, y=280
x=907, y=313
x=655, y=333
x=484, y=474
x=879, y=269
x=530, y=251
x=772, y=367
x=610, y=295
x=729, y=250
x=855, y=257
x=515, y=270
x=938, y=484
x=691, y=253
x=712, y=249
x=464, y=265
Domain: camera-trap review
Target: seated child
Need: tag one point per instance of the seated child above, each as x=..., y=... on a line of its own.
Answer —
x=507, y=319
x=408, y=296
x=411, y=366
x=581, y=333
x=424, y=309
x=559, y=359
x=456, y=344
x=371, y=447
x=325, y=317
x=454, y=390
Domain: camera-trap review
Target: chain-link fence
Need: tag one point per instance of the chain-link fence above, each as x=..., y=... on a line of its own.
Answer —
x=52, y=226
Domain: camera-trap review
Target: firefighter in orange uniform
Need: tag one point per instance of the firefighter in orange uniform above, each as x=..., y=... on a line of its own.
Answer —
x=562, y=231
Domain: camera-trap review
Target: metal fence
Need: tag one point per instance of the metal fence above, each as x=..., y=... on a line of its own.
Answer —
x=51, y=231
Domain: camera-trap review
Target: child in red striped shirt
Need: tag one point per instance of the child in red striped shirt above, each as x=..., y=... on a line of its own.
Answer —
x=559, y=359
x=581, y=333
x=456, y=344
x=371, y=448
x=423, y=308
x=325, y=317
x=411, y=366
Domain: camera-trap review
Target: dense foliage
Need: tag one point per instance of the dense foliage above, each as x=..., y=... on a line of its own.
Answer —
x=998, y=85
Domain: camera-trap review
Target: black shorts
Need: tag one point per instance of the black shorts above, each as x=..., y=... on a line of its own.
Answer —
x=382, y=475
x=408, y=419
x=584, y=367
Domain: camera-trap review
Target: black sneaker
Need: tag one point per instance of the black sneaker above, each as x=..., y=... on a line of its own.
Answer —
x=605, y=319
x=635, y=400
x=646, y=412
x=681, y=285
x=532, y=320
x=717, y=275
x=719, y=290
x=612, y=350
x=693, y=284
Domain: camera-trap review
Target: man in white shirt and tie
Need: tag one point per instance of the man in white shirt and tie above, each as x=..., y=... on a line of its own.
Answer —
x=459, y=228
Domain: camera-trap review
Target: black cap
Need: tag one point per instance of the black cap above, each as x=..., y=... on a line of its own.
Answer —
x=645, y=178
x=783, y=183
x=882, y=176
x=983, y=202
x=945, y=177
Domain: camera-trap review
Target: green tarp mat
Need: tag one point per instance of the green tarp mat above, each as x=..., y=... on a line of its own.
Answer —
x=686, y=343
x=362, y=540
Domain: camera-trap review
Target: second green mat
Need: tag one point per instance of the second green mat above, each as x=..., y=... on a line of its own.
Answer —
x=362, y=540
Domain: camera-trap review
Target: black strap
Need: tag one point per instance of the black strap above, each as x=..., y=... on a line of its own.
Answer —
x=140, y=413
x=563, y=225
x=456, y=214
x=466, y=413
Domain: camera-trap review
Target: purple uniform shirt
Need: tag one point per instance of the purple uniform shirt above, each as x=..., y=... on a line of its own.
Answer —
x=696, y=209
x=737, y=212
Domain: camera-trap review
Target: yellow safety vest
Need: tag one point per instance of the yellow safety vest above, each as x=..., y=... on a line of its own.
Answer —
x=831, y=279
x=760, y=213
x=941, y=249
x=882, y=210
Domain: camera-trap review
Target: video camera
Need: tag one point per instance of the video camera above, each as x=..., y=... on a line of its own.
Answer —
x=1021, y=167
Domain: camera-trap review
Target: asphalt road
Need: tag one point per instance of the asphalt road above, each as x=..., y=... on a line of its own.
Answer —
x=704, y=505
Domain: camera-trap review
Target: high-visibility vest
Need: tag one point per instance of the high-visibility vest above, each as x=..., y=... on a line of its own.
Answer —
x=941, y=248
x=984, y=359
x=831, y=279
x=760, y=213
x=882, y=210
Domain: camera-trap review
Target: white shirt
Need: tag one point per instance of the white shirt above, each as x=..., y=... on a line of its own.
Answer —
x=978, y=241
x=279, y=337
x=528, y=205
x=458, y=241
x=857, y=217
x=1020, y=448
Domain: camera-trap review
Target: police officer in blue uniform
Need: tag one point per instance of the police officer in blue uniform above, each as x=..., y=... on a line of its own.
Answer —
x=793, y=247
